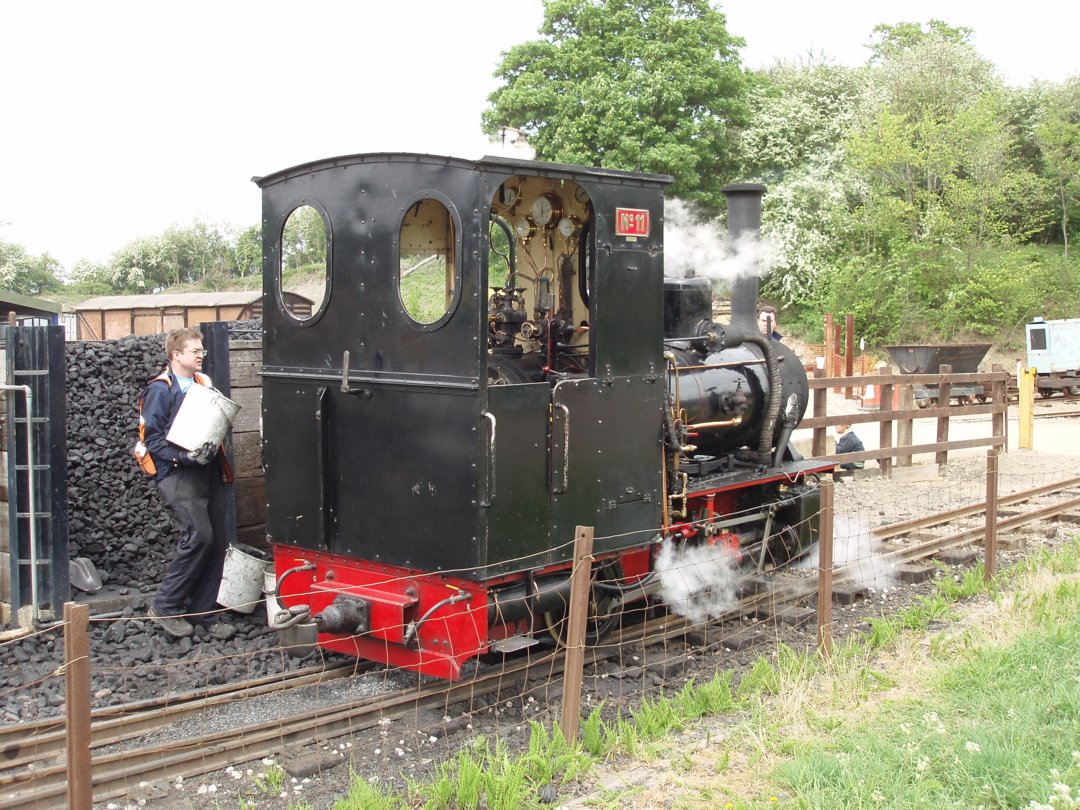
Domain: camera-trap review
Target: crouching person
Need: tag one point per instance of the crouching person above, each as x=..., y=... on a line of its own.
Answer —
x=192, y=485
x=848, y=442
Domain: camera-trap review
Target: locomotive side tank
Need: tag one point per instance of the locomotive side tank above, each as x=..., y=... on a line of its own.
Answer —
x=430, y=447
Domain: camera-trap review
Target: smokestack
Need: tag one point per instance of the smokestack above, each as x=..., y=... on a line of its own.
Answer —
x=744, y=220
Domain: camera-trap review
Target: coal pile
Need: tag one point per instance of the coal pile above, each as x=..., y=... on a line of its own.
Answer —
x=115, y=517
x=245, y=330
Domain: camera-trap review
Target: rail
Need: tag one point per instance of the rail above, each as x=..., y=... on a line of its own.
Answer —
x=896, y=396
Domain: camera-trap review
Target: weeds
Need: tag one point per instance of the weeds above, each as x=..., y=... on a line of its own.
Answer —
x=271, y=781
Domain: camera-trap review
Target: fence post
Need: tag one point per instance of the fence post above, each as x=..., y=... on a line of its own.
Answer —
x=943, y=398
x=999, y=398
x=990, y=566
x=849, y=353
x=830, y=346
x=1026, y=382
x=885, y=428
x=821, y=399
x=904, y=427
x=825, y=567
x=578, y=613
x=77, y=707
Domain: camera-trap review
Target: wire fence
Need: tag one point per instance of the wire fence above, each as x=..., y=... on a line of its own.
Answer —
x=106, y=706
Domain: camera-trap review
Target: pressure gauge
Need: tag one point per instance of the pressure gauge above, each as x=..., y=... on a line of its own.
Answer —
x=569, y=227
x=508, y=195
x=525, y=228
x=581, y=195
x=546, y=210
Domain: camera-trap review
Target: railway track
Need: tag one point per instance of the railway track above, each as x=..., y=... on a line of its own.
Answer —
x=34, y=773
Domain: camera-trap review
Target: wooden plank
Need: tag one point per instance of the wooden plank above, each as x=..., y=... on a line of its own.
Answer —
x=118, y=324
x=250, y=501
x=247, y=454
x=244, y=365
x=5, y=577
x=918, y=379
x=250, y=402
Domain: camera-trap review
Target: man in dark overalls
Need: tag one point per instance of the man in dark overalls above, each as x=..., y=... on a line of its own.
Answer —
x=192, y=485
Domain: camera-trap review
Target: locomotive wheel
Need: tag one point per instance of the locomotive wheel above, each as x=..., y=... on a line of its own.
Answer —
x=1046, y=393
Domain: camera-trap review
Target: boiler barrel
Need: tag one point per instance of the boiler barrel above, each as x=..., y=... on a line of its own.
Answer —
x=715, y=388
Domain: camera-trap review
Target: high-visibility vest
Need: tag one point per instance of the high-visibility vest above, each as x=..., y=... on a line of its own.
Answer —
x=140, y=451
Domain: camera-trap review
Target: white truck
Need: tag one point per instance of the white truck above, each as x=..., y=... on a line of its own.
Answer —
x=1053, y=350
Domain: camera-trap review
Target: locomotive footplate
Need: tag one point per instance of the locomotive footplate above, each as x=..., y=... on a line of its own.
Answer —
x=719, y=473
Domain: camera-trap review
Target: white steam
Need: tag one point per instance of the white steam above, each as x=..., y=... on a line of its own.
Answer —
x=856, y=555
x=694, y=246
x=698, y=582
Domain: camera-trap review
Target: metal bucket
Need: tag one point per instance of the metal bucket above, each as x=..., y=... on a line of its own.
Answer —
x=205, y=416
x=242, y=578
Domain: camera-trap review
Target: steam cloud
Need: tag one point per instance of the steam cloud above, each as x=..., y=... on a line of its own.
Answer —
x=856, y=554
x=698, y=582
x=697, y=247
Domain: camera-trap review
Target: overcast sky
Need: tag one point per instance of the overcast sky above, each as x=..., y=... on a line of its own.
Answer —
x=122, y=118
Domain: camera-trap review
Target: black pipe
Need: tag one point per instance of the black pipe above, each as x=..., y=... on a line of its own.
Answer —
x=744, y=221
x=772, y=405
x=529, y=598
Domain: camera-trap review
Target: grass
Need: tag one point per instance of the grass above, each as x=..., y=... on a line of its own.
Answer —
x=423, y=291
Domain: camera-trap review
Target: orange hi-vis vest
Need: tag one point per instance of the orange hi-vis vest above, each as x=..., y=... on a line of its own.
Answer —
x=140, y=451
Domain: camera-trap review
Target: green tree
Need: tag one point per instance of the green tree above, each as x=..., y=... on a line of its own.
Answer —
x=941, y=162
x=801, y=118
x=1058, y=137
x=642, y=85
x=24, y=273
x=890, y=41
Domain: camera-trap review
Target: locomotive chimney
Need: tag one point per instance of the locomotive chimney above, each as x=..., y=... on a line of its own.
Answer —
x=744, y=220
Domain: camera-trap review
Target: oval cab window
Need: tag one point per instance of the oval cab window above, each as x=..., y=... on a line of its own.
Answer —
x=427, y=276
x=305, y=263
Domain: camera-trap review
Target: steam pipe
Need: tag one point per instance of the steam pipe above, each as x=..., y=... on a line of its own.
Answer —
x=788, y=426
x=772, y=407
x=414, y=628
x=281, y=579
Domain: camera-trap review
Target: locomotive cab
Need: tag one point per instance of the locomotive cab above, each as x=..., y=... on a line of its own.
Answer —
x=484, y=374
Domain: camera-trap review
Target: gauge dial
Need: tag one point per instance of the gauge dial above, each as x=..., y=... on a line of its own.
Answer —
x=581, y=195
x=525, y=228
x=569, y=227
x=508, y=195
x=546, y=210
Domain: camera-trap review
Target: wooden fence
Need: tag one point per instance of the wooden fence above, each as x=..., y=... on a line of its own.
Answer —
x=896, y=414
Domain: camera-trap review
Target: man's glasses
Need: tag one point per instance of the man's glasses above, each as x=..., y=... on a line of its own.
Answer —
x=197, y=352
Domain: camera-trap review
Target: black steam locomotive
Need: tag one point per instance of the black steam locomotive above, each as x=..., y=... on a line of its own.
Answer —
x=497, y=359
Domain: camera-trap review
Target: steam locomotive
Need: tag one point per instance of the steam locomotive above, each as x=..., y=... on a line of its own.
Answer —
x=497, y=359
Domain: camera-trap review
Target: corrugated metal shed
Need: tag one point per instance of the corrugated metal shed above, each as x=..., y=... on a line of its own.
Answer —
x=195, y=299
x=110, y=317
